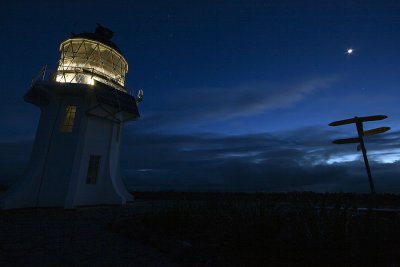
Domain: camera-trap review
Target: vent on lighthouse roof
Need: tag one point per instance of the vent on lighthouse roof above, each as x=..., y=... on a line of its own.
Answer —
x=101, y=34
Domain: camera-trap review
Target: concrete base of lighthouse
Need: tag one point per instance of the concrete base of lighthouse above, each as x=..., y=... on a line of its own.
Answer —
x=58, y=174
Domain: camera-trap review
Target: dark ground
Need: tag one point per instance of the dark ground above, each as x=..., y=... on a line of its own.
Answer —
x=208, y=229
x=272, y=229
x=79, y=237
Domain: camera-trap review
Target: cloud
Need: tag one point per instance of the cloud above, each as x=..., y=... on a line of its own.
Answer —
x=250, y=99
x=205, y=105
x=291, y=161
x=296, y=160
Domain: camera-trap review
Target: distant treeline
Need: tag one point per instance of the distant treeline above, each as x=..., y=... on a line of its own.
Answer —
x=344, y=199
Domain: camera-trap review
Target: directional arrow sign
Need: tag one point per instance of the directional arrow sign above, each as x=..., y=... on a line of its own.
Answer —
x=347, y=141
x=342, y=122
x=361, y=119
x=373, y=118
x=376, y=131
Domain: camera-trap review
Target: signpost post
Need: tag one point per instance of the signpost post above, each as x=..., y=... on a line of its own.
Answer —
x=361, y=133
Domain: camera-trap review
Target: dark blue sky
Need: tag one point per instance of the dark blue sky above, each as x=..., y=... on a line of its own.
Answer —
x=238, y=94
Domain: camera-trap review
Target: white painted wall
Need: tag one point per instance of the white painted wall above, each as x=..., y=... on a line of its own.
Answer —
x=56, y=174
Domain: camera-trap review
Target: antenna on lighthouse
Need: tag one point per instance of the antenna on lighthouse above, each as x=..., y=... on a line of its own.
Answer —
x=139, y=96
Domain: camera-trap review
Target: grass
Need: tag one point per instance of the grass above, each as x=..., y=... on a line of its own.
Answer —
x=294, y=229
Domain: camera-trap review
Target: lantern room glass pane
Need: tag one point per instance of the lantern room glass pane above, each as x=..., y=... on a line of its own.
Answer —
x=85, y=61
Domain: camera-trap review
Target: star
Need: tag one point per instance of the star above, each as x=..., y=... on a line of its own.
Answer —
x=350, y=51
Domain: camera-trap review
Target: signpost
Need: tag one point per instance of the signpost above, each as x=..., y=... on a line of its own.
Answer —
x=376, y=131
x=347, y=141
x=362, y=119
x=361, y=133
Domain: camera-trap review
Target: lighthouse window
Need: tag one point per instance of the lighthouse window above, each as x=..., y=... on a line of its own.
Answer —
x=93, y=169
x=69, y=117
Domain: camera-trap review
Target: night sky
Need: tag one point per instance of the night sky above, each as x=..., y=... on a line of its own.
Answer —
x=238, y=94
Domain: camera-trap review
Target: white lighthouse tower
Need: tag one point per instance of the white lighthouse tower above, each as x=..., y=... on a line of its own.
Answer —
x=74, y=160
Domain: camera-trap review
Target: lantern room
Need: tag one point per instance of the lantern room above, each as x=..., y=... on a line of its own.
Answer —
x=92, y=57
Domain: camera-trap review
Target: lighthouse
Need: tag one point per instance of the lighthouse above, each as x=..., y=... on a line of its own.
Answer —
x=75, y=156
